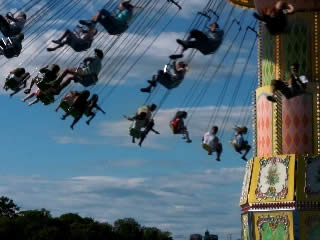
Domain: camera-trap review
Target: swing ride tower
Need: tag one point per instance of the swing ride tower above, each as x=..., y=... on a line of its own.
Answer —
x=280, y=196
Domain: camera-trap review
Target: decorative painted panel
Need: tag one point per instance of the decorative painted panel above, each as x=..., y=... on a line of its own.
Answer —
x=297, y=45
x=264, y=124
x=245, y=227
x=312, y=176
x=297, y=125
x=273, y=226
x=310, y=225
x=273, y=179
x=267, y=57
x=246, y=183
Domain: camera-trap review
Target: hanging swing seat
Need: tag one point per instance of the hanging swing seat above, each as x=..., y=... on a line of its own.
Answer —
x=71, y=110
x=133, y=132
x=11, y=83
x=46, y=98
x=207, y=147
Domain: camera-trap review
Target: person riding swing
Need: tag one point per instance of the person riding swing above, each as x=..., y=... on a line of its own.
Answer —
x=177, y=125
x=167, y=78
x=140, y=121
x=206, y=43
x=116, y=24
x=86, y=75
x=275, y=19
x=79, y=40
x=47, y=84
x=296, y=85
x=10, y=25
x=12, y=46
x=239, y=143
x=211, y=143
x=92, y=104
x=16, y=80
x=75, y=104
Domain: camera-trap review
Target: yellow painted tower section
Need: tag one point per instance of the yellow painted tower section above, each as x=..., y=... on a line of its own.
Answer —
x=280, y=196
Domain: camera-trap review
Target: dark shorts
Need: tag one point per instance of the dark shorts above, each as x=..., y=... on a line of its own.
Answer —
x=77, y=44
x=86, y=79
x=166, y=80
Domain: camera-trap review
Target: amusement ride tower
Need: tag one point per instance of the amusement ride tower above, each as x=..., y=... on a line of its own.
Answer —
x=280, y=197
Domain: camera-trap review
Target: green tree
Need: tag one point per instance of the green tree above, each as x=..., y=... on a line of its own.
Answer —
x=128, y=228
x=7, y=207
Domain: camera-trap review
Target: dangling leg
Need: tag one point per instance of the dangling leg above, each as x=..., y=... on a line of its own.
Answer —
x=64, y=116
x=34, y=101
x=75, y=120
x=186, y=135
x=65, y=34
x=247, y=149
x=152, y=83
x=219, y=151
x=91, y=115
x=31, y=95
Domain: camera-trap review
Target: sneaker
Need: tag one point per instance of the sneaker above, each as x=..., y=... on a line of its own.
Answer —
x=176, y=56
x=189, y=141
x=244, y=158
x=182, y=43
x=27, y=91
x=271, y=98
x=218, y=159
x=56, y=42
x=50, y=49
x=147, y=89
x=87, y=122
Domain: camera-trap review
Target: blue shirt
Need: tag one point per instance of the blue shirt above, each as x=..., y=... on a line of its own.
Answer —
x=124, y=16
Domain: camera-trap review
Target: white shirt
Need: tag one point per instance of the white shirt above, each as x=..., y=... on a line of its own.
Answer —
x=210, y=140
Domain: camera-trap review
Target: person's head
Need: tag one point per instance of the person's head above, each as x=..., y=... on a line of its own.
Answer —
x=214, y=130
x=20, y=36
x=99, y=53
x=184, y=114
x=55, y=68
x=152, y=107
x=94, y=98
x=142, y=116
x=23, y=71
x=22, y=15
x=126, y=5
x=294, y=68
x=213, y=26
x=244, y=130
x=86, y=94
x=280, y=5
x=183, y=65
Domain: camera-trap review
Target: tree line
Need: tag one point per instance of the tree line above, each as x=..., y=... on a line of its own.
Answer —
x=41, y=225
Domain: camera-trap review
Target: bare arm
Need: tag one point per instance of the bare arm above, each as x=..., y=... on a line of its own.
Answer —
x=99, y=108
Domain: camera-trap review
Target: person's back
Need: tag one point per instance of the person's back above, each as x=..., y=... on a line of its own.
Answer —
x=94, y=66
x=211, y=140
x=214, y=41
x=17, y=26
x=124, y=17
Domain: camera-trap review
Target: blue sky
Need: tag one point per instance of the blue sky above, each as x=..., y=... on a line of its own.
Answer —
x=96, y=171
